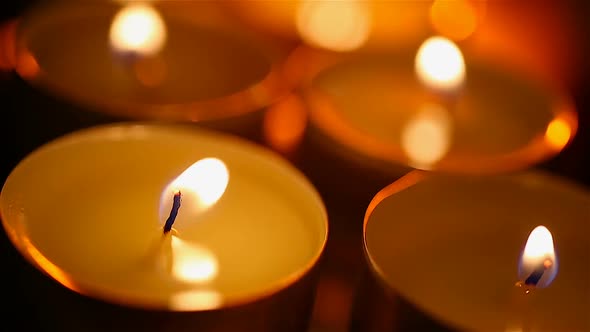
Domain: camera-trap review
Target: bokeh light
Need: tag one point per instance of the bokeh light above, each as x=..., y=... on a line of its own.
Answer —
x=439, y=64
x=455, y=19
x=138, y=28
x=341, y=26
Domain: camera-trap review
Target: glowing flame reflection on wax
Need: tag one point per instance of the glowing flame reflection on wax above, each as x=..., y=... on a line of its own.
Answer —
x=195, y=300
x=201, y=186
x=191, y=263
x=539, y=253
x=440, y=65
x=426, y=137
x=138, y=28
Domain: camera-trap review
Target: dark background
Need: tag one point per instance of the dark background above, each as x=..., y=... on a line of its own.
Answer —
x=30, y=118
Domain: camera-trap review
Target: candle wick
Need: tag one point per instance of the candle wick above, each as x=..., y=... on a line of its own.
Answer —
x=537, y=274
x=173, y=212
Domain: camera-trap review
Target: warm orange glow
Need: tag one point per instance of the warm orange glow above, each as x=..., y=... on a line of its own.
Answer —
x=138, y=28
x=426, y=137
x=539, y=253
x=201, y=185
x=26, y=65
x=511, y=36
x=150, y=72
x=455, y=19
x=285, y=123
x=8, y=45
x=47, y=266
x=335, y=25
x=558, y=133
x=191, y=263
x=195, y=300
x=439, y=64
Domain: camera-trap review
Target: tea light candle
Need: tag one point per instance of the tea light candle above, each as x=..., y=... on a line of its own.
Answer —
x=452, y=247
x=163, y=60
x=89, y=209
x=428, y=109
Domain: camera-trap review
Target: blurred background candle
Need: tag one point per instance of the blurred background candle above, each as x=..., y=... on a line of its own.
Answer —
x=444, y=252
x=488, y=117
x=150, y=60
x=88, y=210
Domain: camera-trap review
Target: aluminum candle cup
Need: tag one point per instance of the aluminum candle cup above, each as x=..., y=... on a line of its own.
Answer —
x=89, y=209
x=445, y=252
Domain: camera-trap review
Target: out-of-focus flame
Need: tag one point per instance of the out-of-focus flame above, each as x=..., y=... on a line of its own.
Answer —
x=285, y=123
x=426, y=138
x=195, y=300
x=138, y=28
x=341, y=26
x=455, y=19
x=539, y=255
x=201, y=186
x=439, y=64
x=192, y=264
x=558, y=133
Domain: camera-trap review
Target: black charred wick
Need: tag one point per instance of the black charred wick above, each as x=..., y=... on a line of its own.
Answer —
x=173, y=212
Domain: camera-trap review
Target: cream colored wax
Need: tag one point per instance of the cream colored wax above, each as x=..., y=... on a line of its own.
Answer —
x=451, y=246
x=85, y=209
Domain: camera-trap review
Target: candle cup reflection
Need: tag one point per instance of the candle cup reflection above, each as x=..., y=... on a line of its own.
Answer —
x=158, y=60
x=285, y=123
x=441, y=252
x=241, y=254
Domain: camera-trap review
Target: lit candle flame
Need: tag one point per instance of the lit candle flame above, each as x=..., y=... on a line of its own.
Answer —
x=138, y=28
x=538, y=261
x=439, y=64
x=426, y=138
x=201, y=186
x=335, y=25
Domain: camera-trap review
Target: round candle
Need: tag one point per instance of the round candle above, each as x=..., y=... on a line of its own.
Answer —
x=455, y=246
x=164, y=60
x=378, y=105
x=89, y=209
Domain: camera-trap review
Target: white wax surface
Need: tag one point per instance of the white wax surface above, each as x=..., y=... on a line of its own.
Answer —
x=451, y=245
x=89, y=204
